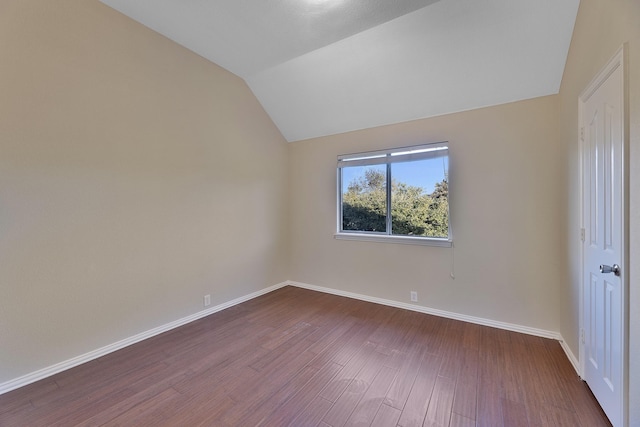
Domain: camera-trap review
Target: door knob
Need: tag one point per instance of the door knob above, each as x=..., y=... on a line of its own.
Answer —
x=615, y=269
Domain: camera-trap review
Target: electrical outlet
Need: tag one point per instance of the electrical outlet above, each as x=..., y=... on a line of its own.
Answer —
x=414, y=296
x=207, y=300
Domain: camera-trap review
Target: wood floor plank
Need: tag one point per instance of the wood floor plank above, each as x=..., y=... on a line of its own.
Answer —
x=511, y=380
x=216, y=354
x=415, y=409
x=281, y=336
x=285, y=413
x=299, y=357
x=465, y=400
x=490, y=378
x=386, y=416
x=370, y=402
x=257, y=413
x=313, y=413
x=514, y=414
x=451, y=363
x=346, y=343
x=471, y=334
x=279, y=373
x=198, y=411
x=555, y=393
x=441, y=403
x=401, y=387
x=559, y=417
x=345, y=351
x=293, y=344
x=261, y=387
x=489, y=403
x=398, y=332
x=151, y=411
x=23, y=397
x=586, y=406
x=465, y=395
x=451, y=350
x=331, y=333
x=344, y=406
x=458, y=420
x=346, y=375
x=122, y=406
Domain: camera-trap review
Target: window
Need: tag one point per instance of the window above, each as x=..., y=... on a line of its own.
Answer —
x=397, y=195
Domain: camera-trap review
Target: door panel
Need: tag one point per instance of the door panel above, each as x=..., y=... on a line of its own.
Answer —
x=602, y=119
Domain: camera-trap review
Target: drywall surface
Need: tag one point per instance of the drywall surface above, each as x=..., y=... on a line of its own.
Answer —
x=505, y=203
x=135, y=178
x=602, y=26
x=451, y=56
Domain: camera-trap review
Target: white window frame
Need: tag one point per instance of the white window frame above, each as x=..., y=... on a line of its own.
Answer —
x=388, y=157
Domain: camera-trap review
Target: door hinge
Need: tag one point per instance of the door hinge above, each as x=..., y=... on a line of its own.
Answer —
x=582, y=134
x=582, y=335
x=582, y=233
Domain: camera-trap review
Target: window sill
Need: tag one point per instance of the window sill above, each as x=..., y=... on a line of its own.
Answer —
x=405, y=240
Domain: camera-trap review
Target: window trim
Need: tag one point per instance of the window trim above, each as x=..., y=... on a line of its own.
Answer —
x=386, y=238
x=382, y=157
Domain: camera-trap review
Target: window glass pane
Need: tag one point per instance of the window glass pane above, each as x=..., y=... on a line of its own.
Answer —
x=419, y=198
x=364, y=198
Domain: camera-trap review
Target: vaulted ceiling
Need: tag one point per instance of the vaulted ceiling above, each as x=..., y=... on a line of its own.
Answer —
x=321, y=67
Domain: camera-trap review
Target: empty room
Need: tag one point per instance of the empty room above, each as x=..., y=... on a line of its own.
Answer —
x=320, y=213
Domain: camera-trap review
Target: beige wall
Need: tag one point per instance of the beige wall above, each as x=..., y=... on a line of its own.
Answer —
x=505, y=204
x=602, y=26
x=135, y=177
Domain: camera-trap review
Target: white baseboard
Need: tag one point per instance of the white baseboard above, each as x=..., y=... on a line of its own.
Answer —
x=441, y=313
x=87, y=357
x=92, y=355
x=450, y=315
x=572, y=358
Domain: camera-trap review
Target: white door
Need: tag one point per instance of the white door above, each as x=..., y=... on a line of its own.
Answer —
x=604, y=327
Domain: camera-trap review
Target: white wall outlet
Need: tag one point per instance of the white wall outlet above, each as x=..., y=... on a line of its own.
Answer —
x=414, y=296
x=207, y=300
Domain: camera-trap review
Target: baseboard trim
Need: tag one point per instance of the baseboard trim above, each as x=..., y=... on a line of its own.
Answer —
x=92, y=355
x=441, y=313
x=451, y=315
x=572, y=358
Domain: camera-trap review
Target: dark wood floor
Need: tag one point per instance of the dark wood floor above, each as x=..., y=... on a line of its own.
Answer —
x=302, y=358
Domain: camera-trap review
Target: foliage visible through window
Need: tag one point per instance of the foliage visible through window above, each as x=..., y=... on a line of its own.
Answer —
x=402, y=192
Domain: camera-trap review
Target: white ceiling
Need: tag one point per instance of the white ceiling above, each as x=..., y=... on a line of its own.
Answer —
x=321, y=67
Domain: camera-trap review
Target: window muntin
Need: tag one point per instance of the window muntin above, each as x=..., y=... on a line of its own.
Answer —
x=399, y=193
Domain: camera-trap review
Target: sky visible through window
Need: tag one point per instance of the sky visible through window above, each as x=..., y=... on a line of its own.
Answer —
x=423, y=173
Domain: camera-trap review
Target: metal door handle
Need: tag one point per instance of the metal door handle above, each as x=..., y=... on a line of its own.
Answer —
x=615, y=269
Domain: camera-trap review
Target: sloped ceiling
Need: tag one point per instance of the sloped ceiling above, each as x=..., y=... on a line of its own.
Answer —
x=321, y=67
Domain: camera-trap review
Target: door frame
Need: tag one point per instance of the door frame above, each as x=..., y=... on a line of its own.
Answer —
x=618, y=61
